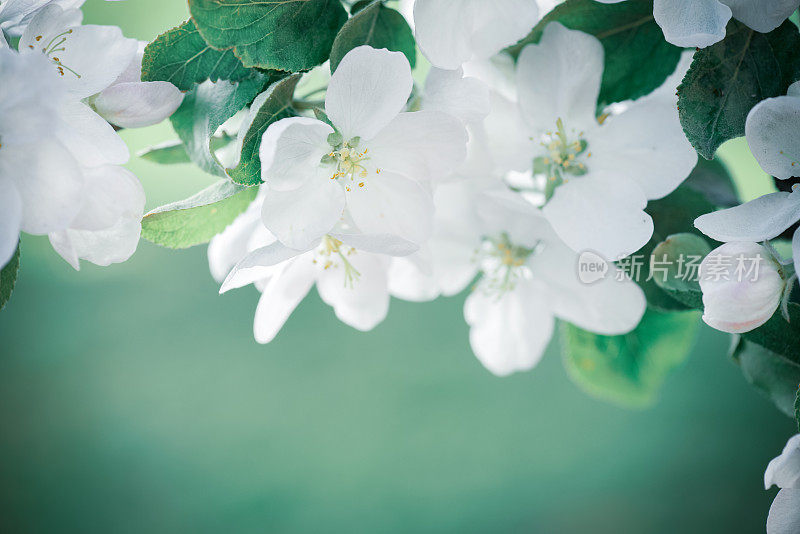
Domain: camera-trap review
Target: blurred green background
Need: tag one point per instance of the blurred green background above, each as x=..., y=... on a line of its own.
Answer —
x=134, y=399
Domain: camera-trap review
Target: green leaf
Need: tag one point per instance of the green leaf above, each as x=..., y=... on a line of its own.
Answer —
x=197, y=219
x=182, y=57
x=673, y=214
x=727, y=79
x=797, y=409
x=769, y=373
x=675, y=262
x=780, y=336
x=712, y=179
x=379, y=27
x=204, y=109
x=637, y=58
x=174, y=152
x=8, y=278
x=289, y=35
x=272, y=105
x=629, y=369
x=169, y=153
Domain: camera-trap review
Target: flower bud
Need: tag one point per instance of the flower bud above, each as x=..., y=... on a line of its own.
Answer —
x=742, y=287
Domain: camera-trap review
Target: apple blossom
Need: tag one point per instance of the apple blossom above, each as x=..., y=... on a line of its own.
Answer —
x=41, y=181
x=701, y=23
x=452, y=32
x=784, y=472
x=759, y=220
x=107, y=227
x=131, y=103
x=529, y=278
x=742, y=286
x=598, y=173
x=772, y=133
x=376, y=162
x=347, y=275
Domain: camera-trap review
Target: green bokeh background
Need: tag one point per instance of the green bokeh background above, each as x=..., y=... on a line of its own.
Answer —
x=134, y=399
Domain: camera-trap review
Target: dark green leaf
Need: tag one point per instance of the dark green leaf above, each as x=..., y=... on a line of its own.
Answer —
x=197, y=219
x=629, y=369
x=769, y=373
x=727, y=79
x=204, y=109
x=8, y=278
x=379, y=27
x=797, y=409
x=289, y=35
x=182, y=57
x=673, y=214
x=779, y=336
x=637, y=58
x=272, y=105
x=712, y=180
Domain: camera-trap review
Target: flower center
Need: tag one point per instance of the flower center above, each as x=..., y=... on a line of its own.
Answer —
x=349, y=161
x=332, y=253
x=503, y=264
x=56, y=45
x=565, y=156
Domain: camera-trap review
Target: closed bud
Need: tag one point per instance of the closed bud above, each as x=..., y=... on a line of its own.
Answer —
x=742, y=287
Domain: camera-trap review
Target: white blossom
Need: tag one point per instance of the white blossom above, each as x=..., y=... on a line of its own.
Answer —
x=348, y=276
x=784, y=472
x=452, y=32
x=598, y=173
x=742, y=286
x=376, y=167
x=701, y=23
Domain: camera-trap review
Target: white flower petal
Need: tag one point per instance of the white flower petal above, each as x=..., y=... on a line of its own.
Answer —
x=601, y=213
x=369, y=88
x=281, y=296
x=509, y=333
x=110, y=192
x=560, y=78
x=784, y=470
x=50, y=184
x=10, y=219
x=450, y=32
x=388, y=244
x=646, y=144
x=291, y=150
x=692, y=23
x=796, y=250
x=392, y=204
x=102, y=247
x=226, y=249
x=424, y=145
x=607, y=307
x=448, y=91
x=771, y=131
x=736, y=299
x=85, y=71
x=762, y=15
x=763, y=218
x=138, y=104
x=784, y=514
x=90, y=138
x=364, y=303
x=300, y=217
x=258, y=265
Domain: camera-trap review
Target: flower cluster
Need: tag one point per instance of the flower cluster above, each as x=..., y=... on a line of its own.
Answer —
x=66, y=88
x=530, y=154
